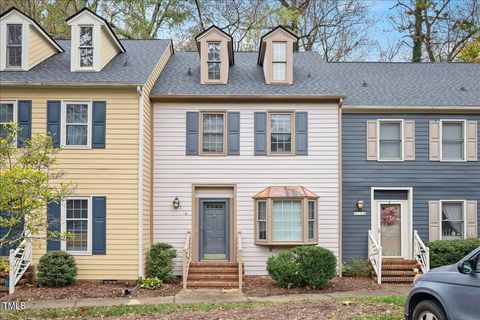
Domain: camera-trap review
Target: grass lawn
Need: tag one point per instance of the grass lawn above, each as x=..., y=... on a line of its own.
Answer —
x=335, y=309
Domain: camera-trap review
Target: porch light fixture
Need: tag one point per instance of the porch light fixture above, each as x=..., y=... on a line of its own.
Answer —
x=360, y=204
x=176, y=203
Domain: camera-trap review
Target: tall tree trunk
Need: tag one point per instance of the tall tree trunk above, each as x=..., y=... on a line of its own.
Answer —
x=418, y=32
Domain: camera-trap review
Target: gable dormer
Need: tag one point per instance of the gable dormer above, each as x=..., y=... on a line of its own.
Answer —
x=276, y=55
x=23, y=42
x=216, y=55
x=93, y=42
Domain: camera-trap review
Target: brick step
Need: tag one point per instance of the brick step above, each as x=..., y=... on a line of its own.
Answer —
x=208, y=264
x=398, y=262
x=397, y=268
x=212, y=284
x=212, y=277
x=400, y=273
x=396, y=279
x=213, y=270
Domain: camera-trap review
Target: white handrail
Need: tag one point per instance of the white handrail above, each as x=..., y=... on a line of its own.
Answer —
x=187, y=257
x=421, y=252
x=240, y=260
x=375, y=256
x=20, y=259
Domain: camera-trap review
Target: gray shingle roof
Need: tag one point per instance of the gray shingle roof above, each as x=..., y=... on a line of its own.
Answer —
x=388, y=84
x=132, y=67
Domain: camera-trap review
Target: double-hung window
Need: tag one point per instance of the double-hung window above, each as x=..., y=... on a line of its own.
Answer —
x=283, y=219
x=213, y=60
x=213, y=133
x=14, y=46
x=86, y=46
x=8, y=114
x=76, y=124
x=279, y=61
x=390, y=142
x=281, y=137
x=77, y=223
x=453, y=140
x=453, y=220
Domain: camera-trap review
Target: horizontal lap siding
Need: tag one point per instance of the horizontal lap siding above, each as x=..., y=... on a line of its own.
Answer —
x=110, y=172
x=39, y=48
x=174, y=174
x=430, y=180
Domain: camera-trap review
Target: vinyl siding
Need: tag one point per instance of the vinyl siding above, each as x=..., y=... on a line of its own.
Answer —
x=147, y=147
x=430, y=180
x=107, y=47
x=110, y=172
x=174, y=173
x=39, y=48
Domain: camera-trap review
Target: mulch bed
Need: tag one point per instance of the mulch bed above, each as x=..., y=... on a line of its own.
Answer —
x=91, y=289
x=260, y=286
x=328, y=310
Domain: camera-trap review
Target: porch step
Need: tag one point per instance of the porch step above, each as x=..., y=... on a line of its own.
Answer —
x=398, y=262
x=397, y=271
x=213, y=275
x=396, y=279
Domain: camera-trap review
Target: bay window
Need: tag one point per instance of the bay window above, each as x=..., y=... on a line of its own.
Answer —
x=284, y=217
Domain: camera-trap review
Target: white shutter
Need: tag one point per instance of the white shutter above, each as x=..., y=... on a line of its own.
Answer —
x=471, y=219
x=434, y=143
x=372, y=140
x=433, y=220
x=409, y=139
x=472, y=141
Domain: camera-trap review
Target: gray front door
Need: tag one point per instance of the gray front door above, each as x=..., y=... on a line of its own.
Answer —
x=214, y=225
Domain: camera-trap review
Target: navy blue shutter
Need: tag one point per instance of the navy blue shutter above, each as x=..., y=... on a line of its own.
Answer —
x=233, y=126
x=99, y=120
x=53, y=224
x=260, y=140
x=192, y=134
x=24, y=121
x=53, y=121
x=301, y=128
x=99, y=225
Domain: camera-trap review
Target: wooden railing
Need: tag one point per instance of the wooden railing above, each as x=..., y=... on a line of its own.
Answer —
x=421, y=252
x=20, y=260
x=375, y=256
x=240, y=260
x=187, y=258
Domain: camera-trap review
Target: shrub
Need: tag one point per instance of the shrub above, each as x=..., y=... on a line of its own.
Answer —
x=160, y=262
x=357, y=268
x=150, y=283
x=303, y=266
x=57, y=269
x=445, y=252
x=283, y=268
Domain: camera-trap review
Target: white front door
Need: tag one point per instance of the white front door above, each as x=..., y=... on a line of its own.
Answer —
x=390, y=221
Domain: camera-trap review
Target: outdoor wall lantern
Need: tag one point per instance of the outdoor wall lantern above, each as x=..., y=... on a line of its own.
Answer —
x=176, y=203
x=360, y=204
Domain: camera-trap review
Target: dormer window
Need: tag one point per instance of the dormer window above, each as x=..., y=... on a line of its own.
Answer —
x=279, y=61
x=14, y=46
x=213, y=60
x=86, y=46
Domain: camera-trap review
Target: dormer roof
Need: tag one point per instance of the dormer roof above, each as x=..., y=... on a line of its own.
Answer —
x=15, y=11
x=85, y=11
x=214, y=28
x=283, y=30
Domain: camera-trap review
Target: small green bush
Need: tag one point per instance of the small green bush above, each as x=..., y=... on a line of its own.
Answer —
x=150, y=283
x=303, y=266
x=57, y=269
x=356, y=268
x=445, y=252
x=160, y=262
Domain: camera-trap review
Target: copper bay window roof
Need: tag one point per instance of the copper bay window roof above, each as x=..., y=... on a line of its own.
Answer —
x=285, y=192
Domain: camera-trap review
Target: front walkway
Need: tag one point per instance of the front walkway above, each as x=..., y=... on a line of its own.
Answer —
x=194, y=296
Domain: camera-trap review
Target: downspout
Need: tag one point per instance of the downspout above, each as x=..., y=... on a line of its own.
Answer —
x=340, y=191
x=141, y=117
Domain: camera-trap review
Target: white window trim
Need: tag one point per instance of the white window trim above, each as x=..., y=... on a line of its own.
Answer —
x=64, y=125
x=402, y=158
x=15, y=111
x=464, y=124
x=75, y=50
x=464, y=207
x=3, y=43
x=92, y=68
x=63, y=225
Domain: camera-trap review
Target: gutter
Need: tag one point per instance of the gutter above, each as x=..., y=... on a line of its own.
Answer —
x=396, y=109
x=141, y=117
x=70, y=84
x=174, y=97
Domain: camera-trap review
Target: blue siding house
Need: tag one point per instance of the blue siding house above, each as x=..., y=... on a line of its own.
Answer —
x=409, y=159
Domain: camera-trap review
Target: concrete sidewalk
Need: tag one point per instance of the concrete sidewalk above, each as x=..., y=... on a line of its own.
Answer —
x=195, y=296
